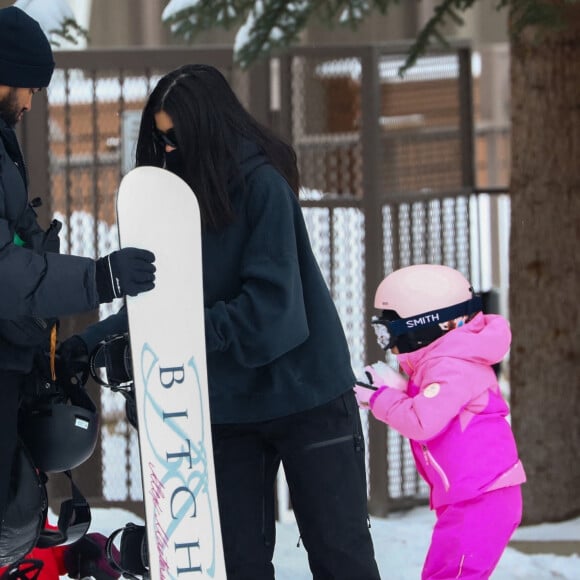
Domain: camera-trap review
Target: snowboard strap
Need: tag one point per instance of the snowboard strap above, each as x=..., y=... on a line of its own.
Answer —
x=134, y=562
x=74, y=520
x=112, y=354
x=28, y=569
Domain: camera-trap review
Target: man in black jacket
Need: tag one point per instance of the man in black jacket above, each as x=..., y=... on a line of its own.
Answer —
x=36, y=283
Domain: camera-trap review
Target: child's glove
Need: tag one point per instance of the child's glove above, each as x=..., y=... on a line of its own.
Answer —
x=382, y=333
x=380, y=374
x=363, y=395
x=87, y=558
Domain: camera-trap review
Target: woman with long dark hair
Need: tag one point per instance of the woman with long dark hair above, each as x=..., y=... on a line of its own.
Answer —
x=280, y=378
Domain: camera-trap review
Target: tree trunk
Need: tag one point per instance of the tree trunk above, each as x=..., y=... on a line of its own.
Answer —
x=544, y=267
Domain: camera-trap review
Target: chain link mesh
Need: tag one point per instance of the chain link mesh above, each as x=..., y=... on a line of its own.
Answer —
x=426, y=214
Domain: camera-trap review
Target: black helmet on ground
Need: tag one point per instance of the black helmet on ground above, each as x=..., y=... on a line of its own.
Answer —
x=59, y=429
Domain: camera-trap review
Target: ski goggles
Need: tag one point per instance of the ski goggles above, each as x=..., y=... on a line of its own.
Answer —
x=392, y=330
x=165, y=138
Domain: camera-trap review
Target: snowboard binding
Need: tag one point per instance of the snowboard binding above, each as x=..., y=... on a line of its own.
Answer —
x=28, y=569
x=134, y=557
x=113, y=355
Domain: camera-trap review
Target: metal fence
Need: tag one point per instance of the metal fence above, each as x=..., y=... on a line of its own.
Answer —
x=389, y=176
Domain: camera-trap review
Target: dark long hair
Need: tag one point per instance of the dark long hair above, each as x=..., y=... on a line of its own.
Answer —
x=210, y=123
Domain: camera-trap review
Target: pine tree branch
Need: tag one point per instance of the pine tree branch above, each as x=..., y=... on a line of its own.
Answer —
x=267, y=25
x=432, y=29
x=207, y=14
x=271, y=24
x=69, y=31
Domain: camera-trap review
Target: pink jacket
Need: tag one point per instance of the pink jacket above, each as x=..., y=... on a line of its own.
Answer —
x=454, y=414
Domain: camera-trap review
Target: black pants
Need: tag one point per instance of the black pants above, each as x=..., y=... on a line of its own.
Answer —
x=9, y=398
x=322, y=451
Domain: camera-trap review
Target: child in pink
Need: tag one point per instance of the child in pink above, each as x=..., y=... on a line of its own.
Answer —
x=452, y=410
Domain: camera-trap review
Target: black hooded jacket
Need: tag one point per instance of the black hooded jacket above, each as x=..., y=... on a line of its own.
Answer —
x=35, y=281
x=275, y=344
x=274, y=341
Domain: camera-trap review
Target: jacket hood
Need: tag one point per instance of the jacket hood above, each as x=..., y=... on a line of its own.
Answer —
x=250, y=156
x=483, y=340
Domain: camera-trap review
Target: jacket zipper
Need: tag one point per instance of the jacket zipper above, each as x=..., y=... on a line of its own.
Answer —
x=430, y=460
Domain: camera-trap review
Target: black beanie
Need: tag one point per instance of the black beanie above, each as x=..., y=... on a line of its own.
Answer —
x=25, y=55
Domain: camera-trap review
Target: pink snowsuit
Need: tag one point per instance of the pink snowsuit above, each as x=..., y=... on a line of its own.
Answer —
x=455, y=417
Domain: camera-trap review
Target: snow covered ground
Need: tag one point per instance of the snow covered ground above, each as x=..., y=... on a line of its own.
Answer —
x=401, y=542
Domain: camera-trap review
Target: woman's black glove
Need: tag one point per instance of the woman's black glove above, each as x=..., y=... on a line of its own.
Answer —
x=126, y=272
x=87, y=558
x=72, y=362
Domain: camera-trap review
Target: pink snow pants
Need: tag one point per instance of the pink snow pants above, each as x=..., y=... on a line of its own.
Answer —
x=469, y=537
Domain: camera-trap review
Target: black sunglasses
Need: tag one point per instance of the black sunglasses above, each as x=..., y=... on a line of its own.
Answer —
x=168, y=138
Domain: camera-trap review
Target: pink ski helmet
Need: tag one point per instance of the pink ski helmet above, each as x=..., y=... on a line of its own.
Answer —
x=416, y=300
x=422, y=288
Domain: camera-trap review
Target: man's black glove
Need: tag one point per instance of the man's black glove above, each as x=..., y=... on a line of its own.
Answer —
x=126, y=272
x=72, y=362
x=87, y=558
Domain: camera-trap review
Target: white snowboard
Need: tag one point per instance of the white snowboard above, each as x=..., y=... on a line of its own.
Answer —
x=157, y=210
